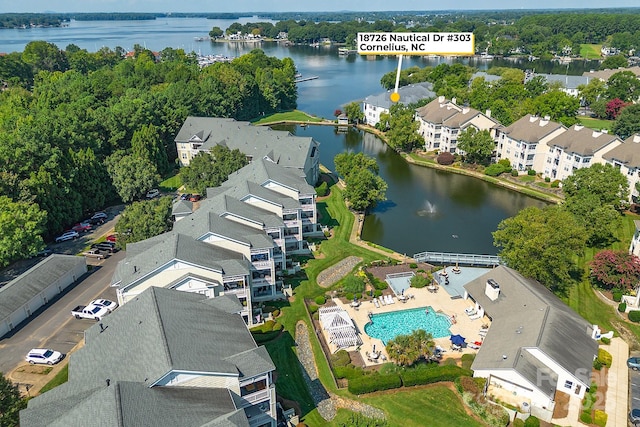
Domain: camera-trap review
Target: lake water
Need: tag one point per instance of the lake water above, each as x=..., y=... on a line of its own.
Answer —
x=426, y=209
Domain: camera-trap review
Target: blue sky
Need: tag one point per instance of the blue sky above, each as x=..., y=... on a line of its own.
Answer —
x=290, y=5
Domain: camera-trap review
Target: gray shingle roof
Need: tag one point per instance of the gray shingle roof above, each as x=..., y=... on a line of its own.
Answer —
x=527, y=315
x=409, y=94
x=582, y=141
x=23, y=288
x=149, y=255
x=448, y=114
x=182, y=207
x=606, y=74
x=627, y=153
x=226, y=205
x=531, y=129
x=159, y=331
x=282, y=147
x=135, y=404
x=486, y=76
x=263, y=172
x=245, y=189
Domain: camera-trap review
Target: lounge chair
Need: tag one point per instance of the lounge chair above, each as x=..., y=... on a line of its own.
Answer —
x=382, y=301
x=375, y=302
x=476, y=316
x=390, y=299
x=470, y=310
x=473, y=346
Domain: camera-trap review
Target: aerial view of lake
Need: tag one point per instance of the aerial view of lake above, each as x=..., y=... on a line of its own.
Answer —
x=426, y=210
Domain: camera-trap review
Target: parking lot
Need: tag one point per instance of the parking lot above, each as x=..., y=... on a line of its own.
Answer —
x=53, y=326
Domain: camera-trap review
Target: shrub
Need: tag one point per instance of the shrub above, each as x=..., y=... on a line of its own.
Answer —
x=445, y=158
x=585, y=417
x=532, y=422
x=605, y=357
x=277, y=327
x=371, y=383
x=622, y=307
x=275, y=313
x=531, y=172
x=467, y=360
x=517, y=423
x=435, y=375
x=313, y=308
x=377, y=293
x=547, y=179
x=514, y=172
x=349, y=372
x=349, y=296
x=379, y=284
x=340, y=358
x=555, y=184
x=322, y=189
x=468, y=385
x=419, y=281
x=496, y=169
x=597, y=364
x=320, y=300
x=353, y=284
x=634, y=315
x=605, y=340
x=617, y=295
x=600, y=418
x=413, y=265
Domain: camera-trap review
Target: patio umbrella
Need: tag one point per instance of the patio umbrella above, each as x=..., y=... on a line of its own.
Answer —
x=457, y=339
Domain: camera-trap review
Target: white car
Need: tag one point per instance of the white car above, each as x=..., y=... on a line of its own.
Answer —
x=67, y=235
x=44, y=356
x=153, y=193
x=108, y=304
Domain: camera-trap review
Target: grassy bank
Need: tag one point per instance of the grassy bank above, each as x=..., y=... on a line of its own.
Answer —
x=295, y=116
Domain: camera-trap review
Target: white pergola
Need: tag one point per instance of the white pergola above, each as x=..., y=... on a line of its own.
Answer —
x=339, y=327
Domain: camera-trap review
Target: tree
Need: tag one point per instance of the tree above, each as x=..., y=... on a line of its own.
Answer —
x=10, y=403
x=541, y=244
x=144, y=219
x=606, y=183
x=614, y=62
x=353, y=112
x=147, y=144
x=558, y=105
x=403, y=128
x=211, y=170
x=132, y=176
x=615, y=269
x=364, y=190
x=44, y=56
x=614, y=107
x=628, y=122
x=406, y=350
x=624, y=85
x=592, y=91
x=347, y=163
x=600, y=222
x=21, y=227
x=216, y=32
x=477, y=145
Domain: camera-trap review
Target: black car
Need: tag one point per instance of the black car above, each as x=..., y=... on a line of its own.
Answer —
x=105, y=246
x=97, y=218
x=634, y=417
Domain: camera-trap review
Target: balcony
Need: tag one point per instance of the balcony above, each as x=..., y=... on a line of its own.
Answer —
x=262, y=265
x=239, y=292
x=250, y=399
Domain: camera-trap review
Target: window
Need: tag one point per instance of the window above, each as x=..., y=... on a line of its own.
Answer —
x=568, y=384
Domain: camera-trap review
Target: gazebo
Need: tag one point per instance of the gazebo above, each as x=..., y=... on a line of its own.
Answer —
x=339, y=327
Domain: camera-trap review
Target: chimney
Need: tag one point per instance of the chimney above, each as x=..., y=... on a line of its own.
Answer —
x=441, y=99
x=465, y=110
x=453, y=100
x=492, y=289
x=488, y=113
x=595, y=134
x=547, y=118
x=533, y=119
x=578, y=127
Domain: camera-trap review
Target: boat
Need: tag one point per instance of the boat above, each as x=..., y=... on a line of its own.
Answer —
x=346, y=51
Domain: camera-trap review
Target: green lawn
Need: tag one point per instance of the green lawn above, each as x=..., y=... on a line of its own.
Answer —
x=172, y=183
x=292, y=116
x=597, y=124
x=60, y=378
x=590, y=51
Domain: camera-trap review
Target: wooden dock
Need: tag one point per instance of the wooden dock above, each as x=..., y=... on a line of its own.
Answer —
x=304, y=79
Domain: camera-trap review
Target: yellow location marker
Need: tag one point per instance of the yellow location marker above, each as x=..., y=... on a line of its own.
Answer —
x=395, y=97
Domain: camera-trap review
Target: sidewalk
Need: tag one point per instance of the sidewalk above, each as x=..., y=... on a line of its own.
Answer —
x=617, y=396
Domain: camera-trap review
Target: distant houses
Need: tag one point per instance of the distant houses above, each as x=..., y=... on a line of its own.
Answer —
x=375, y=105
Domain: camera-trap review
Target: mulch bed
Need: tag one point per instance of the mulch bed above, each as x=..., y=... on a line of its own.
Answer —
x=381, y=272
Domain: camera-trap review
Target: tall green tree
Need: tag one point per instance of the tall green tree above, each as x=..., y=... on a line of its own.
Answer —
x=21, y=227
x=354, y=112
x=144, y=219
x=403, y=128
x=147, y=144
x=624, y=85
x=478, y=145
x=628, y=122
x=606, y=183
x=11, y=403
x=347, y=163
x=212, y=169
x=364, y=188
x=542, y=244
x=132, y=176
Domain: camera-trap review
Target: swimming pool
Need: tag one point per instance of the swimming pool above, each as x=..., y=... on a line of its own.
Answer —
x=387, y=326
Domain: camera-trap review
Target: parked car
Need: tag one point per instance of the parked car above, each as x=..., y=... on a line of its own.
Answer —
x=98, y=218
x=44, y=356
x=153, y=193
x=185, y=196
x=195, y=197
x=108, y=304
x=96, y=312
x=634, y=417
x=633, y=363
x=67, y=235
x=112, y=238
x=95, y=253
x=82, y=227
x=105, y=246
x=44, y=252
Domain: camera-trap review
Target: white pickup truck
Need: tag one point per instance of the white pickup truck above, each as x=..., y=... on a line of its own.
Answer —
x=90, y=311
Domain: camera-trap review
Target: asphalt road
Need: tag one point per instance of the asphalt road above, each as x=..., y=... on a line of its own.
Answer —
x=634, y=389
x=53, y=326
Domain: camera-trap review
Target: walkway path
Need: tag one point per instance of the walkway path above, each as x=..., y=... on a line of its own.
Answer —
x=327, y=403
x=617, y=395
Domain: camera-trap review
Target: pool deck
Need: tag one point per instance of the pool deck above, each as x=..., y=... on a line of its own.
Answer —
x=440, y=301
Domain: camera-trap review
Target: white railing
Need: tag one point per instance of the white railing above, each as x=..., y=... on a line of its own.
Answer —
x=451, y=258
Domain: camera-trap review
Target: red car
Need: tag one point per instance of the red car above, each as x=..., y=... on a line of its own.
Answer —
x=81, y=227
x=112, y=238
x=195, y=197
